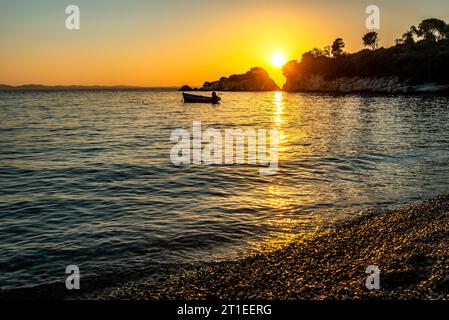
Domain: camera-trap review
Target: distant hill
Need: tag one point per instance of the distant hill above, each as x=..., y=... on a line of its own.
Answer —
x=38, y=87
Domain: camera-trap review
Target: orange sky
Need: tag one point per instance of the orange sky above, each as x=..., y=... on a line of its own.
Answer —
x=174, y=42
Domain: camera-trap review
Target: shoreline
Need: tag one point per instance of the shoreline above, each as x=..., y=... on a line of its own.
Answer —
x=409, y=245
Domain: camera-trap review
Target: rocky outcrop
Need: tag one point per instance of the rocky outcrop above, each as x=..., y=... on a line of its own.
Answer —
x=317, y=83
x=257, y=79
x=186, y=88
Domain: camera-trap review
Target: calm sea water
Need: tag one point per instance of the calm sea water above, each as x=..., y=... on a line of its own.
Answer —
x=86, y=178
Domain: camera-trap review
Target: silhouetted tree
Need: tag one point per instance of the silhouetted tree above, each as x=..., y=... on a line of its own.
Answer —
x=317, y=52
x=407, y=38
x=431, y=29
x=371, y=40
x=415, y=31
x=337, y=47
x=446, y=31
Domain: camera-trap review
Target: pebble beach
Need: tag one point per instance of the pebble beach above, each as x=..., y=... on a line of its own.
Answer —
x=409, y=245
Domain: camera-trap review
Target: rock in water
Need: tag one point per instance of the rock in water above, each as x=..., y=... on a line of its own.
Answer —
x=185, y=88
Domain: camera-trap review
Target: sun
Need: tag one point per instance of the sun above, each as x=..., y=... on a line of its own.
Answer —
x=278, y=59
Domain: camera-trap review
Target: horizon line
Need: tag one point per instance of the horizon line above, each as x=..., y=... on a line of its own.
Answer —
x=123, y=86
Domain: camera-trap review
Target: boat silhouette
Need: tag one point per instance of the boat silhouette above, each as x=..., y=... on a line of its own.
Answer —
x=193, y=98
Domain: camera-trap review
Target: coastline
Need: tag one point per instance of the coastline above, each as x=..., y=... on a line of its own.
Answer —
x=389, y=85
x=409, y=245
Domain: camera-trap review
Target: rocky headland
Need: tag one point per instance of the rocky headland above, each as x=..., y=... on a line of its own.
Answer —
x=256, y=79
x=417, y=63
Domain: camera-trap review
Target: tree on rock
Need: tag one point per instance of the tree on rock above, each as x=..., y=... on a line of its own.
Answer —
x=431, y=29
x=337, y=47
x=371, y=39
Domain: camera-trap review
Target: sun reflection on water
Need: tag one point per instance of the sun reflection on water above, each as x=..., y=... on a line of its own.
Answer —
x=278, y=102
x=282, y=198
x=278, y=120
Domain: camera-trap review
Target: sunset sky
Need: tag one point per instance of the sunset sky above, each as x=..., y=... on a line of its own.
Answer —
x=170, y=43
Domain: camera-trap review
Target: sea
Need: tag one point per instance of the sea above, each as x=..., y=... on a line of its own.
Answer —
x=86, y=178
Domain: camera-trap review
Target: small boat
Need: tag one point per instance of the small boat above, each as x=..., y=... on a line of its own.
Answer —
x=193, y=98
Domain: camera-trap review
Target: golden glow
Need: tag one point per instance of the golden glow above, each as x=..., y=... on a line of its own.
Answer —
x=278, y=96
x=278, y=59
x=144, y=48
x=278, y=119
x=279, y=105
